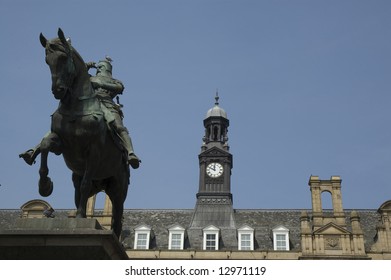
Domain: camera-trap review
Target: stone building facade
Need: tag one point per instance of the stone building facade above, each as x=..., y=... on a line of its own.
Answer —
x=214, y=229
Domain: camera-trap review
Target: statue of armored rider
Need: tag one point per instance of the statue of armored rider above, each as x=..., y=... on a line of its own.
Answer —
x=106, y=89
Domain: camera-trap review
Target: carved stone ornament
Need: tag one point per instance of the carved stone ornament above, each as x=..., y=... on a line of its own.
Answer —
x=332, y=243
x=214, y=201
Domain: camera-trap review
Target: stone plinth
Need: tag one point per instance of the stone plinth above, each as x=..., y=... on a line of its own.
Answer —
x=59, y=239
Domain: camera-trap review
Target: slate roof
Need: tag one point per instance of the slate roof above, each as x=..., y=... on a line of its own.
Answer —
x=7, y=218
x=261, y=220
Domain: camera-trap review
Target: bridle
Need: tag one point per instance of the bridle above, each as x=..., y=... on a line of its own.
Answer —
x=63, y=72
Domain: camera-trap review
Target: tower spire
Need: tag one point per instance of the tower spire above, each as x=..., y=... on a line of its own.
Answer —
x=214, y=197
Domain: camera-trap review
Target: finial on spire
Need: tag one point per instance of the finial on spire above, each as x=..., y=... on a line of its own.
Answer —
x=217, y=97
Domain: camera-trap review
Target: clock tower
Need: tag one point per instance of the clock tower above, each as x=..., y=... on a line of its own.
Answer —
x=214, y=198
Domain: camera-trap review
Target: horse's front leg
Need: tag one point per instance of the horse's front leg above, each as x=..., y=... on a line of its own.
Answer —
x=85, y=189
x=50, y=143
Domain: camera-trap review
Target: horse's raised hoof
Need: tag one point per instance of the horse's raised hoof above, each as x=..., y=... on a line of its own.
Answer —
x=134, y=161
x=45, y=187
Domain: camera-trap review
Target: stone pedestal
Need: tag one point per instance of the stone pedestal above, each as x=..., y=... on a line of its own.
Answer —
x=59, y=239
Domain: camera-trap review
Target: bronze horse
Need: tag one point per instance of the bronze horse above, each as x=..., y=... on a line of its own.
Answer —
x=80, y=132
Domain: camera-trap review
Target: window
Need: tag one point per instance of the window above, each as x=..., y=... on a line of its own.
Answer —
x=245, y=238
x=176, y=237
x=142, y=241
x=245, y=242
x=211, y=238
x=280, y=242
x=210, y=242
x=176, y=241
x=281, y=238
x=142, y=237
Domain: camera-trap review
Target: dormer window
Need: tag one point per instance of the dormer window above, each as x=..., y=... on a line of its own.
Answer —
x=176, y=238
x=211, y=238
x=281, y=238
x=245, y=238
x=142, y=237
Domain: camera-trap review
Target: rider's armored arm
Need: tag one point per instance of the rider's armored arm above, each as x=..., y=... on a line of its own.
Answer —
x=118, y=86
x=112, y=86
x=90, y=65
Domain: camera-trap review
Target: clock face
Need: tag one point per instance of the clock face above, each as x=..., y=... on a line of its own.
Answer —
x=214, y=169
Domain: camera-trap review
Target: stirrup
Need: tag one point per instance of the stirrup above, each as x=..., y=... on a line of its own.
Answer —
x=28, y=156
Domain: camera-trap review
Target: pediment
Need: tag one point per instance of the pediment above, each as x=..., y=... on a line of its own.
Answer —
x=385, y=207
x=176, y=227
x=280, y=228
x=215, y=152
x=143, y=227
x=211, y=228
x=331, y=229
x=35, y=204
x=245, y=227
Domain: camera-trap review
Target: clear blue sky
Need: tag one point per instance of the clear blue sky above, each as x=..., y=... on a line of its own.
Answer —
x=306, y=86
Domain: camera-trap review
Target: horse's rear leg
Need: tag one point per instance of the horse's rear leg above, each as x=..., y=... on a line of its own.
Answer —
x=50, y=143
x=118, y=210
x=82, y=195
x=117, y=191
x=76, y=179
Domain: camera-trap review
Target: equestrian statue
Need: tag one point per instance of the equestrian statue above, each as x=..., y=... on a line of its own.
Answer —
x=86, y=128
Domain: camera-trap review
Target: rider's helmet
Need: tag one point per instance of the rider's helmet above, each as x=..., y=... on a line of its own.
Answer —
x=105, y=65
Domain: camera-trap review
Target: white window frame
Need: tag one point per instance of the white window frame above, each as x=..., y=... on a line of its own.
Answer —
x=141, y=231
x=245, y=231
x=177, y=230
x=208, y=231
x=280, y=231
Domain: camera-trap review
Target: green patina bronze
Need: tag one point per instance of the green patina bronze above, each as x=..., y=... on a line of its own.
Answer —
x=87, y=129
x=107, y=88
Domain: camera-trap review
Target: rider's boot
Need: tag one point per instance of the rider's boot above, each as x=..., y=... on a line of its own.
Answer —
x=30, y=155
x=133, y=160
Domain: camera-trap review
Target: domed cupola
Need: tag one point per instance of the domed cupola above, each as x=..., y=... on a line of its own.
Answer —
x=216, y=127
x=216, y=111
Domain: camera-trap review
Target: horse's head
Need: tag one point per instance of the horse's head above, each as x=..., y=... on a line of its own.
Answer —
x=59, y=57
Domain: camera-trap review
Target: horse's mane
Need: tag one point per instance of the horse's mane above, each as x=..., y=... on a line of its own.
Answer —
x=76, y=53
x=57, y=45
